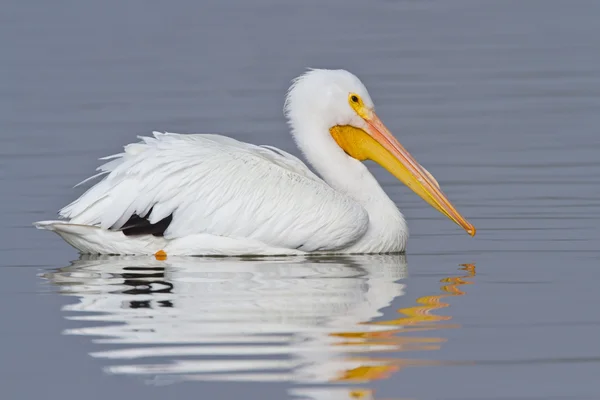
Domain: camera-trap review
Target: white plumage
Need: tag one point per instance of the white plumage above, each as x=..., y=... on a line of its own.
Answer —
x=222, y=196
x=184, y=175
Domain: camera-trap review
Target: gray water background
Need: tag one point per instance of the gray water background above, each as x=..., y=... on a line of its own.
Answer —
x=500, y=100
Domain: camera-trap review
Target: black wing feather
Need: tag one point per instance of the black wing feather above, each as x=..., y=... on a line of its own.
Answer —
x=137, y=225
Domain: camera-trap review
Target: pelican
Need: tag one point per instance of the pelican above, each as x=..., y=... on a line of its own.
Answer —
x=207, y=194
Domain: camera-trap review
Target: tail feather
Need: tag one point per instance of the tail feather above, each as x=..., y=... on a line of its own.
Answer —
x=89, y=239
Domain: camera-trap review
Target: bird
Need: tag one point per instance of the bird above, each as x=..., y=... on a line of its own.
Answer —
x=212, y=195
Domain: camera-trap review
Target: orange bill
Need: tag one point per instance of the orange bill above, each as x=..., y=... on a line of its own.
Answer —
x=379, y=145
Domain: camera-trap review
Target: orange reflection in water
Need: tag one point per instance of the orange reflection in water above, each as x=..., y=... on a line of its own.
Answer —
x=420, y=317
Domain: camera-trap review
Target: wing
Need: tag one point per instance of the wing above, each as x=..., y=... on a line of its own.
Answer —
x=214, y=184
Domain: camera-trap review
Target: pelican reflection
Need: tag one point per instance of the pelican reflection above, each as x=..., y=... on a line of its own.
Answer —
x=306, y=321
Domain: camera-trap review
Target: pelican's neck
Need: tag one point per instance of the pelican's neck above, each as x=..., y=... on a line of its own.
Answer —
x=387, y=228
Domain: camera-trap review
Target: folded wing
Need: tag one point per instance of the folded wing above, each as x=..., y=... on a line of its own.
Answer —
x=188, y=184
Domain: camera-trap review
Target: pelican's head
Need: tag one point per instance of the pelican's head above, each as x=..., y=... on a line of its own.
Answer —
x=338, y=102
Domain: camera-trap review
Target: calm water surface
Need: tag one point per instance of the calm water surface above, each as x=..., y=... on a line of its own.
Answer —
x=500, y=100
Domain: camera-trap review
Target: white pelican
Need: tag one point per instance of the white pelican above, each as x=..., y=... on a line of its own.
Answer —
x=206, y=194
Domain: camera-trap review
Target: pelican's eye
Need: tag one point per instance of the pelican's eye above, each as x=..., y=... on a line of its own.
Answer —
x=354, y=100
x=357, y=105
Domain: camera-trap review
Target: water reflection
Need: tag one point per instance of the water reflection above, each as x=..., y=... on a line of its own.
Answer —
x=305, y=321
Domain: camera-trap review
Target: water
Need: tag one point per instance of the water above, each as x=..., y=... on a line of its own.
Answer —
x=498, y=99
